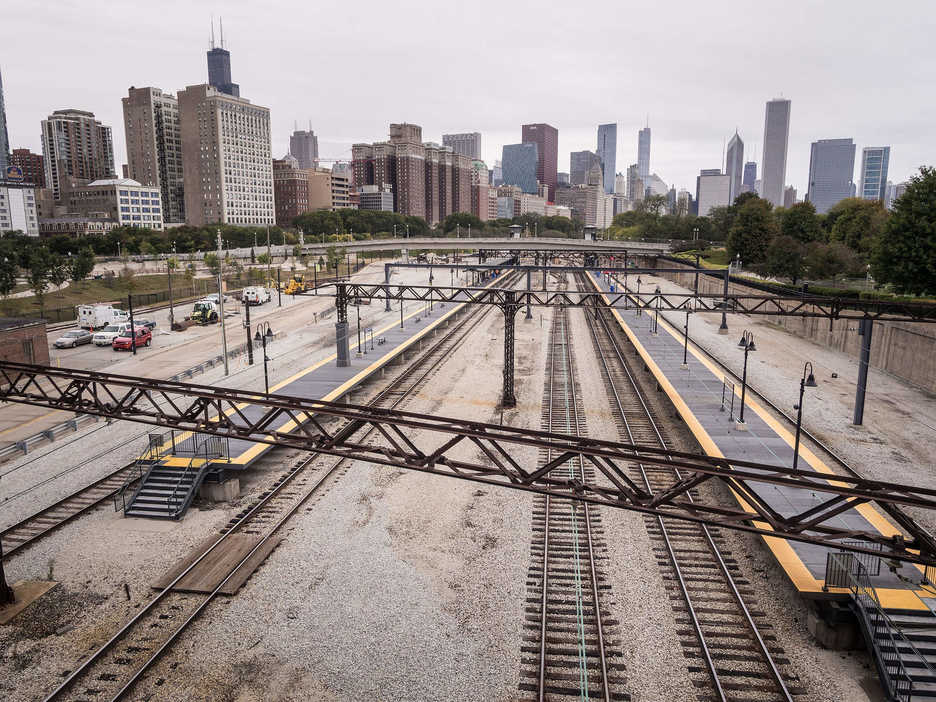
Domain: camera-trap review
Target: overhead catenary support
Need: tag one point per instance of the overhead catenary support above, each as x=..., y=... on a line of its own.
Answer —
x=387, y=281
x=864, y=330
x=341, y=326
x=529, y=312
x=509, y=309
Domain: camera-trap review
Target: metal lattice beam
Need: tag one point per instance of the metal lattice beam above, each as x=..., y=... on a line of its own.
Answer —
x=435, y=444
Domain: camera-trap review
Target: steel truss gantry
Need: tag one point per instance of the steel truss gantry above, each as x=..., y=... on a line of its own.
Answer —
x=499, y=455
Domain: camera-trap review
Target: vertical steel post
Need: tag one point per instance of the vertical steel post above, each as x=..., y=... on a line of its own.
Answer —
x=249, y=337
x=529, y=312
x=132, y=327
x=387, y=283
x=341, y=326
x=743, y=384
x=723, y=329
x=864, y=329
x=171, y=311
x=510, y=310
x=279, y=289
x=685, y=348
x=799, y=422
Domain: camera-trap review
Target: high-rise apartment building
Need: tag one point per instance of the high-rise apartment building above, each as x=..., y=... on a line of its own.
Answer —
x=4, y=136
x=734, y=165
x=227, y=163
x=620, y=184
x=607, y=153
x=831, y=172
x=467, y=144
x=589, y=203
x=546, y=139
x=580, y=163
x=873, y=181
x=31, y=166
x=304, y=146
x=75, y=146
x=18, y=208
x=154, y=146
x=789, y=196
x=635, y=185
x=290, y=190
x=427, y=180
x=776, y=140
x=643, y=152
x=219, y=67
x=520, y=166
x=749, y=178
x=713, y=189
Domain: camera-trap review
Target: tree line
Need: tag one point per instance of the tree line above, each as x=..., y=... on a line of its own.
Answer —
x=853, y=238
x=24, y=256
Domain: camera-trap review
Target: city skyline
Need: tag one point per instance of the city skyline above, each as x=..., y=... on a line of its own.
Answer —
x=689, y=132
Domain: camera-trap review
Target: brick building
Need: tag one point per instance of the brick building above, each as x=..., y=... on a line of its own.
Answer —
x=31, y=165
x=24, y=341
x=546, y=139
x=290, y=190
x=427, y=180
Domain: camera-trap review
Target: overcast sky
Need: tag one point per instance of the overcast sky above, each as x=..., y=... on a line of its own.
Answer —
x=699, y=69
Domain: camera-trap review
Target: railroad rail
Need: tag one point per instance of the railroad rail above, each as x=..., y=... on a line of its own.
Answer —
x=709, y=593
x=142, y=641
x=568, y=650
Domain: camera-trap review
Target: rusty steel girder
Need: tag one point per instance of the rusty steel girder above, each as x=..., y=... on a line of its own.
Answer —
x=488, y=453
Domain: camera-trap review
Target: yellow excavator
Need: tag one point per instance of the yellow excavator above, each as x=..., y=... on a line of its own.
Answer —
x=295, y=285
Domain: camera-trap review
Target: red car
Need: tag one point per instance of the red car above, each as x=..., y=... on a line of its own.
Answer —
x=144, y=337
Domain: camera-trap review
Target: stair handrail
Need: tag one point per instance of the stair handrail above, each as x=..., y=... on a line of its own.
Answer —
x=207, y=440
x=149, y=456
x=899, y=682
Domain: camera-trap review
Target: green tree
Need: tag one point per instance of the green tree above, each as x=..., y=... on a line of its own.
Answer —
x=8, y=271
x=60, y=272
x=904, y=253
x=800, y=222
x=857, y=223
x=82, y=264
x=263, y=259
x=39, y=265
x=830, y=260
x=753, y=228
x=784, y=258
x=212, y=263
x=462, y=219
x=722, y=219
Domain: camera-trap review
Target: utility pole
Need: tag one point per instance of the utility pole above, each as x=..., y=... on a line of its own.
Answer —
x=269, y=255
x=169, y=269
x=227, y=371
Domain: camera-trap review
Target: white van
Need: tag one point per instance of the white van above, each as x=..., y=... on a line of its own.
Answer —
x=256, y=295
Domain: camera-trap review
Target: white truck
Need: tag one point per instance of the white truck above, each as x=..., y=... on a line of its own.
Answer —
x=100, y=316
x=256, y=295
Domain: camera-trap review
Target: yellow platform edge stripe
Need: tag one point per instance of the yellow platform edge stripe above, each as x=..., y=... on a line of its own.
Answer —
x=792, y=564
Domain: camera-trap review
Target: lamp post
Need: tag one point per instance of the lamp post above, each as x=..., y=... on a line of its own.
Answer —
x=685, y=348
x=250, y=358
x=807, y=381
x=746, y=343
x=656, y=312
x=263, y=333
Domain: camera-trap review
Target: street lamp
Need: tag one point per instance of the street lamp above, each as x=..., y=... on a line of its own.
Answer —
x=807, y=381
x=656, y=314
x=246, y=303
x=746, y=343
x=263, y=333
x=638, y=295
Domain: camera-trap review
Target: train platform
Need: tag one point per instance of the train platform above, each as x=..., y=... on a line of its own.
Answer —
x=325, y=380
x=708, y=401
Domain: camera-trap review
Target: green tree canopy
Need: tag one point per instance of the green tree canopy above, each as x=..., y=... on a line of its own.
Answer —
x=800, y=222
x=904, y=253
x=857, y=223
x=754, y=226
x=462, y=219
x=784, y=258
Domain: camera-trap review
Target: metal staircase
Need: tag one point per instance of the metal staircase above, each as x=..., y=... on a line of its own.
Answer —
x=902, y=641
x=167, y=489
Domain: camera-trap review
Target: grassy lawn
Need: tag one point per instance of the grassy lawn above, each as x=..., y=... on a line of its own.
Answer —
x=711, y=258
x=90, y=291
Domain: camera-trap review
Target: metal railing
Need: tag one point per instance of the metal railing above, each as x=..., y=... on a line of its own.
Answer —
x=147, y=459
x=205, y=448
x=884, y=636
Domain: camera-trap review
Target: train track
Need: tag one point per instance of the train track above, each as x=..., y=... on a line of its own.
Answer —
x=568, y=648
x=741, y=659
x=116, y=667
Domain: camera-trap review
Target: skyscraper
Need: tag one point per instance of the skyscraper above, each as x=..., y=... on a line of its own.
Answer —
x=776, y=139
x=75, y=145
x=831, y=170
x=643, y=152
x=750, y=177
x=580, y=163
x=734, y=161
x=219, y=67
x=874, y=163
x=154, y=146
x=304, y=146
x=227, y=164
x=4, y=136
x=546, y=139
x=607, y=152
x=520, y=165
x=31, y=166
x=712, y=189
x=468, y=144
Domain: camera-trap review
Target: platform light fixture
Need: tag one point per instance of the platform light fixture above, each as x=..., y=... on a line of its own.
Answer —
x=807, y=381
x=746, y=343
x=263, y=333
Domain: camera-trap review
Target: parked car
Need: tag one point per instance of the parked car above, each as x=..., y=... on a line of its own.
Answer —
x=106, y=336
x=124, y=342
x=71, y=339
x=148, y=323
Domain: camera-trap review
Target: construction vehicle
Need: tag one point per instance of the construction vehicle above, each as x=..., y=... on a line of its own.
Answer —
x=205, y=312
x=295, y=285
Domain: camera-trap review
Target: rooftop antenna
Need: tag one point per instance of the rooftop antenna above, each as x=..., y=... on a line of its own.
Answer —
x=212, y=32
x=310, y=126
x=221, y=24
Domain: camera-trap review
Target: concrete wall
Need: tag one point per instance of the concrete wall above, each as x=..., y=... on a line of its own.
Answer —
x=904, y=349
